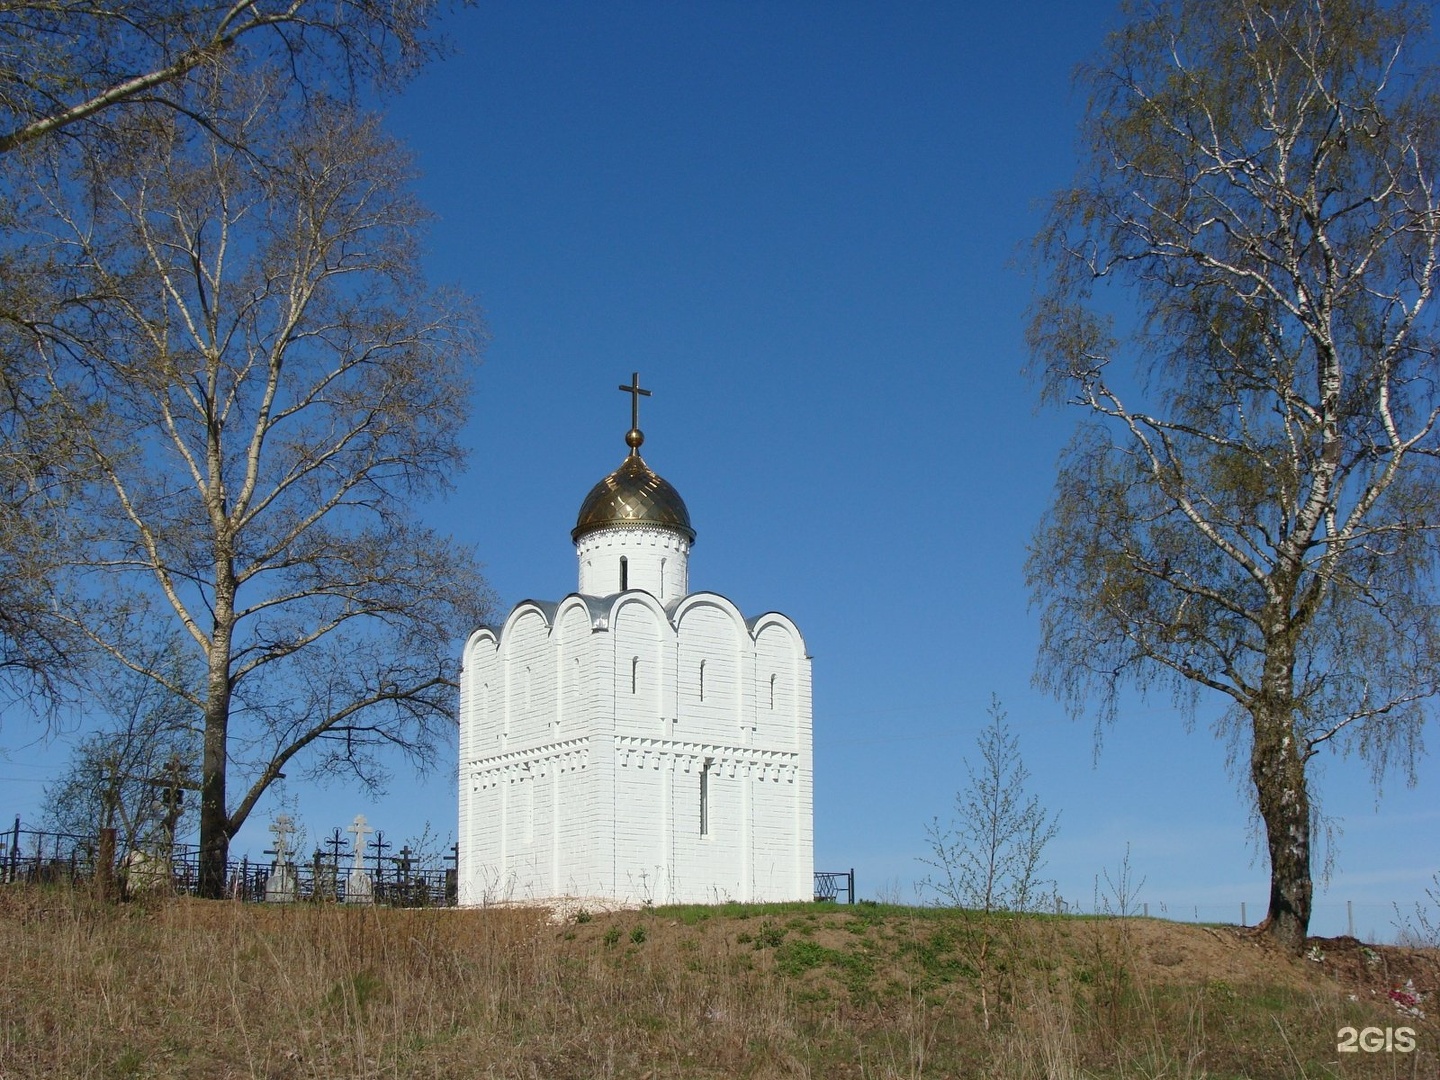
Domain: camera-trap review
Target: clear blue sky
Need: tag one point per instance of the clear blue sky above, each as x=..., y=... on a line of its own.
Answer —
x=799, y=223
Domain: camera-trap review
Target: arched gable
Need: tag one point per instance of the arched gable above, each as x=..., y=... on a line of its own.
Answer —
x=575, y=610
x=779, y=681
x=528, y=617
x=773, y=620
x=704, y=600
x=574, y=655
x=480, y=649
x=714, y=665
x=528, y=670
x=479, y=680
x=640, y=635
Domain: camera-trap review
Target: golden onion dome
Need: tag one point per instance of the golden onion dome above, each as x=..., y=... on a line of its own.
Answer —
x=633, y=496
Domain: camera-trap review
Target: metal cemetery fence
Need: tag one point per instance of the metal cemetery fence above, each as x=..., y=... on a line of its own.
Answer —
x=27, y=855
x=321, y=880
x=30, y=855
x=829, y=884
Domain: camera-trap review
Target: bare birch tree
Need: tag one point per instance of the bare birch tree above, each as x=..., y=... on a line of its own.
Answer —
x=70, y=75
x=1240, y=295
x=37, y=647
x=279, y=386
x=62, y=65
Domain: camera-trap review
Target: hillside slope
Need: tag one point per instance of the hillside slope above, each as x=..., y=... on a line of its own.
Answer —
x=183, y=988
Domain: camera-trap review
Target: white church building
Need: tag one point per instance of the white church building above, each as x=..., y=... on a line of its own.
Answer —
x=635, y=741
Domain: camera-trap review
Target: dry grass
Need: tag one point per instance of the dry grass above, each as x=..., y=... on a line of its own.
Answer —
x=185, y=988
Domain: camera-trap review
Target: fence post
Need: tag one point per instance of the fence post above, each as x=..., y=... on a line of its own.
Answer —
x=15, y=850
x=105, y=867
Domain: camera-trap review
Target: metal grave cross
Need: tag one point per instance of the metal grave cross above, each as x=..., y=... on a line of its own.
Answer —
x=379, y=844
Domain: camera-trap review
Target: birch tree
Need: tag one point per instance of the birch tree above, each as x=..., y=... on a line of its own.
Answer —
x=71, y=75
x=280, y=386
x=1239, y=295
x=37, y=647
x=64, y=65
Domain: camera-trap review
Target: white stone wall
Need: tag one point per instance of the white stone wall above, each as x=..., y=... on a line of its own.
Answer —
x=655, y=560
x=585, y=730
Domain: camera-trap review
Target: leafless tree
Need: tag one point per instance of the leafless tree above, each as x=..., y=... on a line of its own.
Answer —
x=36, y=645
x=1238, y=291
x=264, y=387
x=989, y=857
x=65, y=64
x=71, y=77
x=133, y=772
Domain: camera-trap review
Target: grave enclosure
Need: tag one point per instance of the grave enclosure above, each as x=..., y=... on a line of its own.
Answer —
x=333, y=872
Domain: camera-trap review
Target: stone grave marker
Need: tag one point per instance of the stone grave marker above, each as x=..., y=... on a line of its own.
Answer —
x=282, y=886
x=359, y=887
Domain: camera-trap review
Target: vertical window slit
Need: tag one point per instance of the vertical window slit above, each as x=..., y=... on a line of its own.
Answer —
x=705, y=798
x=624, y=573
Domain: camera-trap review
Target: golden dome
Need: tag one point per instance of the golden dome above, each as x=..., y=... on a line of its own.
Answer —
x=630, y=497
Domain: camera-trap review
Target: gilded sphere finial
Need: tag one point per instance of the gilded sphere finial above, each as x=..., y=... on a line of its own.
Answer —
x=634, y=438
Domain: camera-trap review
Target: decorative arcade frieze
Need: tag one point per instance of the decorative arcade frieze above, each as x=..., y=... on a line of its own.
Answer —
x=649, y=753
x=571, y=755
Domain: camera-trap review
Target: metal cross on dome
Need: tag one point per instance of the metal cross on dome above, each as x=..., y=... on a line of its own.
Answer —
x=635, y=395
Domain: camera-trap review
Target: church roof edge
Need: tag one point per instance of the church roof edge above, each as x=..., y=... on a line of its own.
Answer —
x=600, y=609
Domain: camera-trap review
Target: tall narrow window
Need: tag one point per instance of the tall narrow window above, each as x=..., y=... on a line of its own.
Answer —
x=662, y=579
x=705, y=798
x=624, y=573
x=529, y=789
x=772, y=691
x=634, y=673
x=702, y=680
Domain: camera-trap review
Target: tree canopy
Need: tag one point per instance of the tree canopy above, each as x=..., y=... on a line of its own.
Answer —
x=229, y=387
x=1238, y=293
x=78, y=82
x=66, y=64
x=264, y=385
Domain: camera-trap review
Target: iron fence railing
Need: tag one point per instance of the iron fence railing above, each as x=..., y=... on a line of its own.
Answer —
x=31, y=855
x=829, y=884
x=36, y=856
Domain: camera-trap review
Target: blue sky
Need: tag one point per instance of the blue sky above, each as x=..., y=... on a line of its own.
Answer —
x=800, y=223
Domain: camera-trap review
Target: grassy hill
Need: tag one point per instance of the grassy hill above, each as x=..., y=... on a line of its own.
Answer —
x=186, y=988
